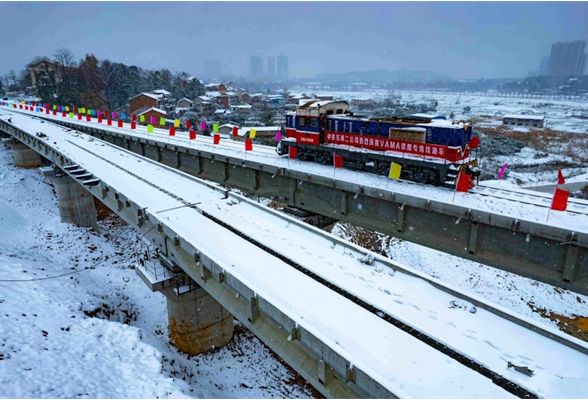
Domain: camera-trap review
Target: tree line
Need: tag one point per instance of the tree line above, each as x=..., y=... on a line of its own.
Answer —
x=95, y=84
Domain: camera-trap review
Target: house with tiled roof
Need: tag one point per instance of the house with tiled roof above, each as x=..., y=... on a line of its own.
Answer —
x=148, y=113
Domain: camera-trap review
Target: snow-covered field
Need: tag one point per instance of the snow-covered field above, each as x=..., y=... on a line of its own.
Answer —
x=100, y=333
x=560, y=115
x=524, y=169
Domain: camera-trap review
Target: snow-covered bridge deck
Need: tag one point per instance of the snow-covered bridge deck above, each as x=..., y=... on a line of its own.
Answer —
x=505, y=229
x=347, y=312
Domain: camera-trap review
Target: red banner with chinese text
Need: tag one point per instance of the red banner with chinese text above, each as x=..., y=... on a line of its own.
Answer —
x=385, y=144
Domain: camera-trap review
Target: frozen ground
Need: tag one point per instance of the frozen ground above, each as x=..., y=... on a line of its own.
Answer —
x=100, y=333
x=525, y=169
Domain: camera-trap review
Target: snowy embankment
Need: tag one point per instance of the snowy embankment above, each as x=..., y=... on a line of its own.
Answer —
x=100, y=333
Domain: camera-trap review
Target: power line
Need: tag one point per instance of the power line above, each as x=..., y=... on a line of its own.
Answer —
x=67, y=273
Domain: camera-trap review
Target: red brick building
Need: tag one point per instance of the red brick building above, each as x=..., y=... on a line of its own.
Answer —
x=143, y=101
x=223, y=100
x=151, y=112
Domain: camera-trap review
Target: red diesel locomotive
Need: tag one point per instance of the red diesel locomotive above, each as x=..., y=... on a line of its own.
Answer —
x=429, y=150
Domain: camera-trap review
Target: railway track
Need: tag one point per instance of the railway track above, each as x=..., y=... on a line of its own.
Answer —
x=463, y=359
x=576, y=207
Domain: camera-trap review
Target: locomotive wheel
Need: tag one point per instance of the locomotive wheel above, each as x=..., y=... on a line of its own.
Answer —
x=301, y=155
x=323, y=158
x=383, y=168
x=421, y=176
x=425, y=175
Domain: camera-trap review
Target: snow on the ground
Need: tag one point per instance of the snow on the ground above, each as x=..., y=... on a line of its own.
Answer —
x=438, y=261
x=528, y=168
x=100, y=333
x=513, y=291
x=560, y=115
x=490, y=340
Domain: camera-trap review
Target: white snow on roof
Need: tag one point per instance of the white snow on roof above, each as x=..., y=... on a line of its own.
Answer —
x=213, y=94
x=521, y=116
x=411, y=129
x=318, y=103
x=152, y=95
x=159, y=110
x=444, y=124
x=161, y=91
x=424, y=115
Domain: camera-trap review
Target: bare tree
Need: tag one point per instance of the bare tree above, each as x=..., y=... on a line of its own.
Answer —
x=66, y=73
x=24, y=80
x=64, y=57
x=46, y=78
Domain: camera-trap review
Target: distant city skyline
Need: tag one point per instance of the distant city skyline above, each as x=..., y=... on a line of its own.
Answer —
x=256, y=70
x=283, y=69
x=469, y=40
x=567, y=59
x=271, y=67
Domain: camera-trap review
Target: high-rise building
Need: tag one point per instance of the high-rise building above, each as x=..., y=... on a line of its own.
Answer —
x=212, y=69
x=282, y=68
x=271, y=67
x=544, y=66
x=256, y=67
x=567, y=59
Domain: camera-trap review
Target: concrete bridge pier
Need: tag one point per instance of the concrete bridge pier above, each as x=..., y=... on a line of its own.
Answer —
x=76, y=205
x=24, y=156
x=197, y=322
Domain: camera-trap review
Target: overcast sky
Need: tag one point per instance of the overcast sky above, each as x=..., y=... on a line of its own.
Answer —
x=463, y=40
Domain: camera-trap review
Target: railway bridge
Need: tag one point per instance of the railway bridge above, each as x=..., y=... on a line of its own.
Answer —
x=352, y=323
x=502, y=228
